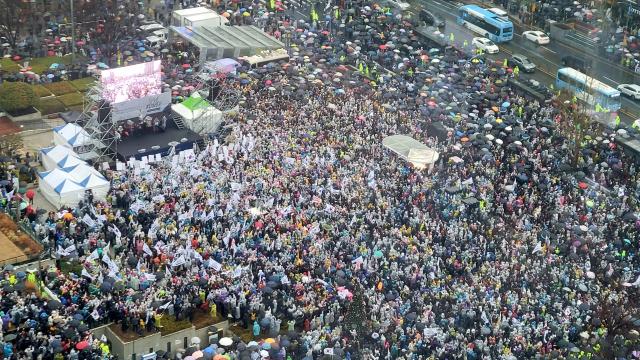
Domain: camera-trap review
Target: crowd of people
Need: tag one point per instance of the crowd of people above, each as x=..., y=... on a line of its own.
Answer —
x=302, y=227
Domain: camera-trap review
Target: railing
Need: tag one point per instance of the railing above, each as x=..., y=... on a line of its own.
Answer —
x=24, y=225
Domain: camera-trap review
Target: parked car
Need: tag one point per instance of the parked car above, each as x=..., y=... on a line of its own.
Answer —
x=485, y=45
x=630, y=90
x=579, y=64
x=431, y=19
x=522, y=62
x=537, y=37
x=151, y=27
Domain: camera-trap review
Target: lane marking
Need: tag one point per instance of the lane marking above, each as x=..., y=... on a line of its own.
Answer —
x=610, y=79
x=549, y=50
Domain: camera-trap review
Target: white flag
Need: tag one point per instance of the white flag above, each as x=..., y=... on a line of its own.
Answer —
x=214, y=265
x=537, y=248
x=146, y=249
x=94, y=255
x=178, y=261
x=89, y=221
x=85, y=273
x=95, y=314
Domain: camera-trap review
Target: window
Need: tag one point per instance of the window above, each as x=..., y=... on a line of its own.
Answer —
x=507, y=30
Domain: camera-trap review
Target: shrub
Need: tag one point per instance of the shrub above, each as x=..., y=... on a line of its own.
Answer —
x=16, y=96
x=41, y=91
x=60, y=88
x=71, y=99
x=50, y=106
x=42, y=64
x=9, y=66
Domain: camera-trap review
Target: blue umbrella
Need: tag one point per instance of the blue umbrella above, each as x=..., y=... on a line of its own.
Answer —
x=102, y=65
x=266, y=346
x=506, y=104
x=141, y=48
x=50, y=76
x=54, y=66
x=21, y=275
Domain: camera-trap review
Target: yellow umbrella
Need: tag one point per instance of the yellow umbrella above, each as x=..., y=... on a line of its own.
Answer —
x=270, y=340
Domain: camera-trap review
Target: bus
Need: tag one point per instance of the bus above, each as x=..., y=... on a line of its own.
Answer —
x=588, y=89
x=486, y=23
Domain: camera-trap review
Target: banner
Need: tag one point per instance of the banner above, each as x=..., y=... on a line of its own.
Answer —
x=148, y=105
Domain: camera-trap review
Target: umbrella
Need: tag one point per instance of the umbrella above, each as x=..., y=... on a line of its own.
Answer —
x=82, y=345
x=378, y=254
x=54, y=305
x=8, y=267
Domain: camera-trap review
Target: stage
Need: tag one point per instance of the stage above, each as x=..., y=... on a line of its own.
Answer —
x=152, y=143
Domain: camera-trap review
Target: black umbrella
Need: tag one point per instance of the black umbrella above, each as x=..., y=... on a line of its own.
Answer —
x=106, y=287
x=83, y=328
x=54, y=305
x=10, y=337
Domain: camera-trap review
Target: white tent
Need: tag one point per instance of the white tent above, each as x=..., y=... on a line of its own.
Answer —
x=71, y=135
x=198, y=115
x=89, y=178
x=53, y=155
x=59, y=189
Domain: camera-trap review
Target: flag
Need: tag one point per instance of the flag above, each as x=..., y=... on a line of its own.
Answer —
x=635, y=283
x=95, y=314
x=178, y=261
x=94, y=255
x=469, y=181
x=537, y=248
x=214, y=265
x=146, y=249
x=85, y=273
x=9, y=195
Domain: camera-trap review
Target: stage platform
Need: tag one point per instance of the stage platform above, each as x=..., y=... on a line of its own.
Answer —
x=155, y=143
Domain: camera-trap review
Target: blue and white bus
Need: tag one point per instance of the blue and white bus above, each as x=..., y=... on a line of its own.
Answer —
x=588, y=89
x=486, y=23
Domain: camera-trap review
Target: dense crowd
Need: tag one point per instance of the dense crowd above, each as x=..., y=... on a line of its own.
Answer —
x=302, y=227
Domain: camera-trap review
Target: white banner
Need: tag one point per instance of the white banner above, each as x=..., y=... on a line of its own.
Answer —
x=144, y=106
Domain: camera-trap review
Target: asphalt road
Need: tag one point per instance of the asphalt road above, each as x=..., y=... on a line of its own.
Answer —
x=547, y=57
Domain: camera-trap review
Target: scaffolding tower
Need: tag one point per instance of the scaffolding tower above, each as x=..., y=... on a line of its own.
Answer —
x=96, y=121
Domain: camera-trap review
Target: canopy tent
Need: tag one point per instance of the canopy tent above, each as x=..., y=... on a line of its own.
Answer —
x=198, y=115
x=217, y=42
x=51, y=156
x=225, y=66
x=90, y=179
x=59, y=189
x=71, y=135
x=411, y=150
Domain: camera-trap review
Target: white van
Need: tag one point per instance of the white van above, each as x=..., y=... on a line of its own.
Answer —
x=155, y=42
x=162, y=34
x=151, y=27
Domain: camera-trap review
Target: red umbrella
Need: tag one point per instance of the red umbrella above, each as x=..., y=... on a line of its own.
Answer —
x=186, y=66
x=30, y=194
x=82, y=345
x=51, y=53
x=583, y=185
x=16, y=58
x=383, y=47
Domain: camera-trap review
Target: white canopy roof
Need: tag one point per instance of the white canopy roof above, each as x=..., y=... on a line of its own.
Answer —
x=411, y=150
x=83, y=174
x=73, y=134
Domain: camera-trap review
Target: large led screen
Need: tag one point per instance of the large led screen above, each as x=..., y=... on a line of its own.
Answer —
x=131, y=82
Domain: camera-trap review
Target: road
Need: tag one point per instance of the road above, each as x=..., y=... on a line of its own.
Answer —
x=547, y=57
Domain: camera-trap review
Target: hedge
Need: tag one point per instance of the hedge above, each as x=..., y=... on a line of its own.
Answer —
x=50, y=106
x=83, y=84
x=60, y=88
x=9, y=65
x=16, y=96
x=71, y=99
x=41, y=91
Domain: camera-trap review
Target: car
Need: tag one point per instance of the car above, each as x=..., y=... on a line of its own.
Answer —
x=537, y=37
x=151, y=27
x=522, y=62
x=630, y=90
x=398, y=4
x=431, y=19
x=485, y=45
x=579, y=64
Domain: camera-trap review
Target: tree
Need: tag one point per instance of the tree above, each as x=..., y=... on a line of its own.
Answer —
x=16, y=96
x=12, y=19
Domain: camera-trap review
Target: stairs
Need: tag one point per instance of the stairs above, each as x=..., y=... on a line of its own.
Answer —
x=179, y=122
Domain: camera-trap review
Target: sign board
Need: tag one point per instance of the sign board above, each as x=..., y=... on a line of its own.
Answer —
x=135, y=108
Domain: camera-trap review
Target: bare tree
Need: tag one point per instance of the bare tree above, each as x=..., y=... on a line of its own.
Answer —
x=14, y=15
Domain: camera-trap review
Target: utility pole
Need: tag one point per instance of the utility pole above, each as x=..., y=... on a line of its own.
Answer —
x=73, y=33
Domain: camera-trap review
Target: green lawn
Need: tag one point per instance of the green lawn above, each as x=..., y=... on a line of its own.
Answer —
x=41, y=91
x=83, y=84
x=40, y=65
x=71, y=99
x=50, y=106
x=60, y=88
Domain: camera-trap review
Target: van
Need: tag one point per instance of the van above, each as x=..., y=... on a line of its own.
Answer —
x=431, y=19
x=582, y=65
x=151, y=27
x=162, y=34
x=154, y=41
